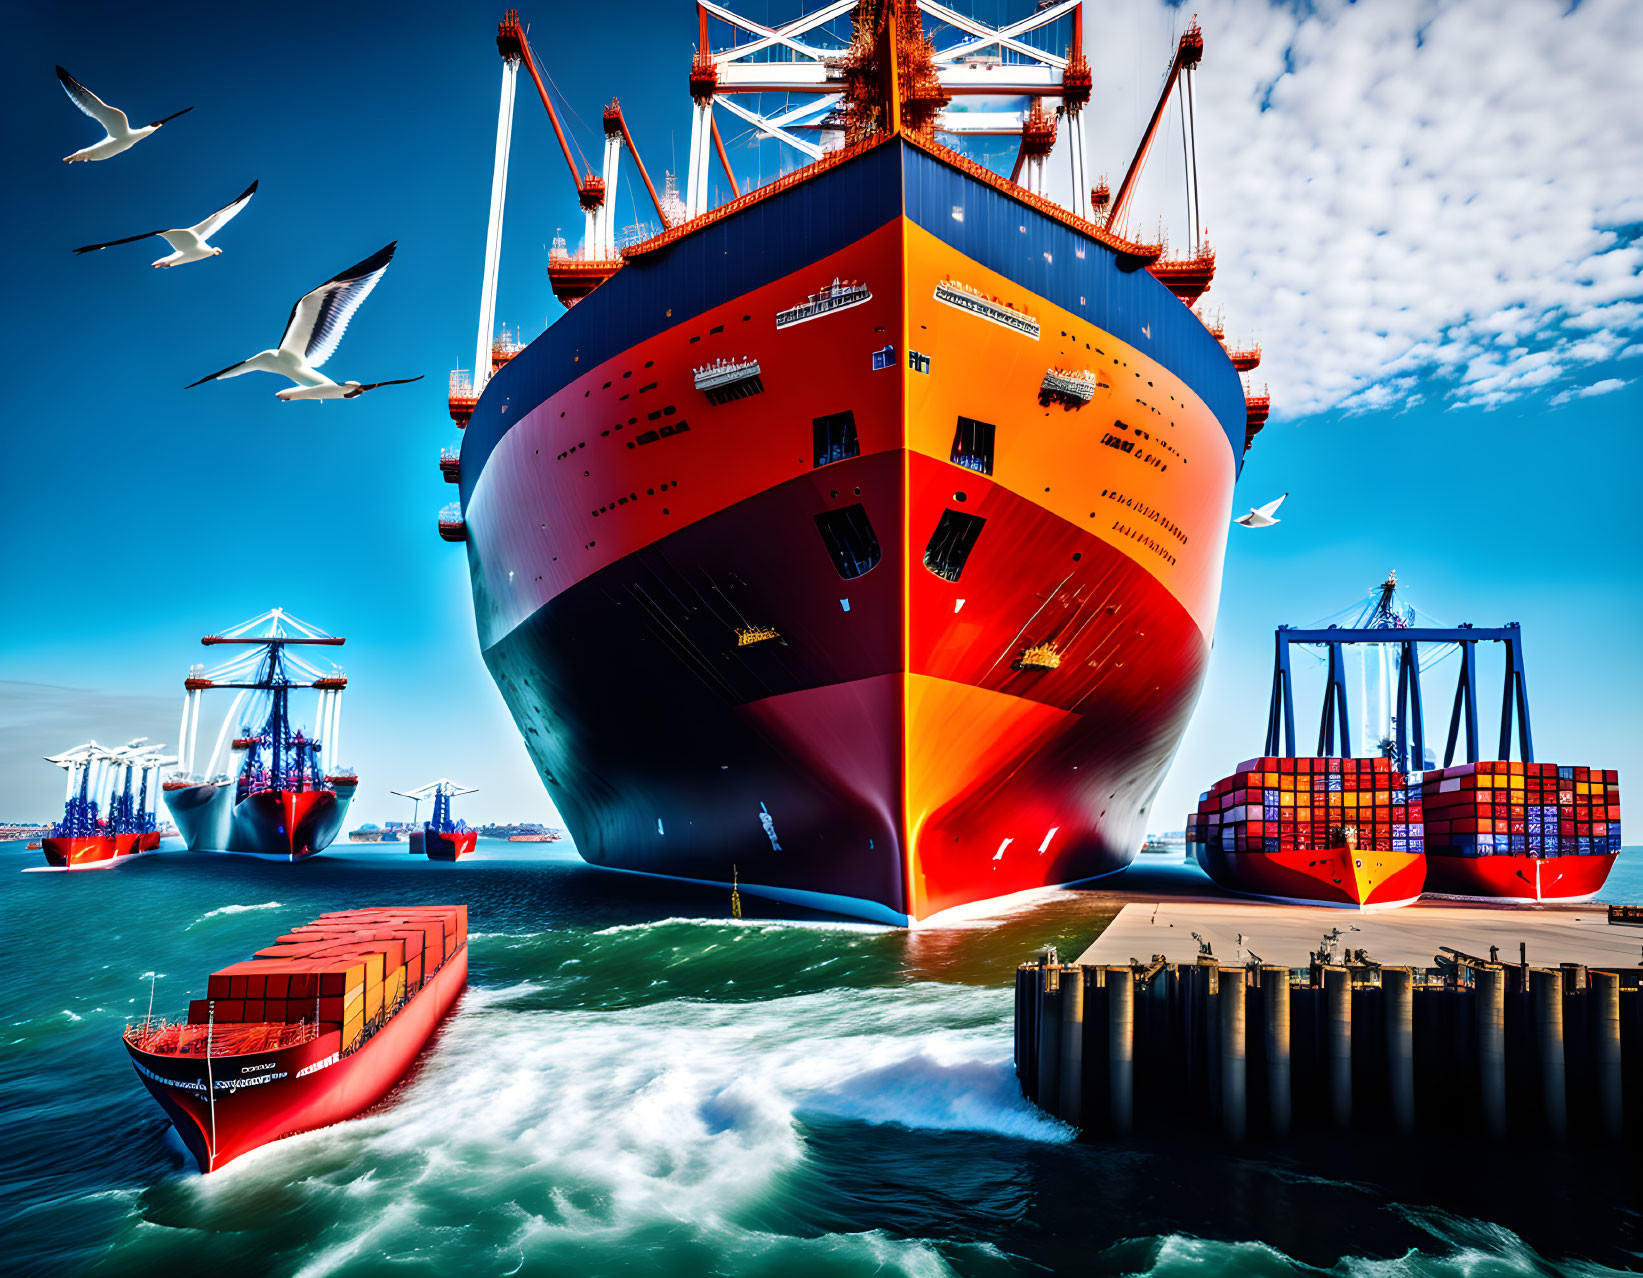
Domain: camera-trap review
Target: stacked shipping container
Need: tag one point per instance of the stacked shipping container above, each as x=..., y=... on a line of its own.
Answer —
x=1531, y=831
x=1336, y=831
x=349, y=970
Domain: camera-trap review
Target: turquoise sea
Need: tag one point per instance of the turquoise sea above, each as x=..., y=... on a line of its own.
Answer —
x=636, y=1083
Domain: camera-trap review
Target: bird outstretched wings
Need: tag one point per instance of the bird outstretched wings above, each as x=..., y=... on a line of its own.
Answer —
x=111, y=118
x=321, y=316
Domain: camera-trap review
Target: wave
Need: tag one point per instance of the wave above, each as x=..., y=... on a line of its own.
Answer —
x=238, y=909
x=552, y=1136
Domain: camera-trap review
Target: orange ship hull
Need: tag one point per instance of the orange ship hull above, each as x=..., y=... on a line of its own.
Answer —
x=1355, y=879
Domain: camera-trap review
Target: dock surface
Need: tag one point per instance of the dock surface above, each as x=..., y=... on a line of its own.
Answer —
x=1249, y=931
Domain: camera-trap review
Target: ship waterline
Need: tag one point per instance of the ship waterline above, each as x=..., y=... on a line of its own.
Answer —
x=919, y=537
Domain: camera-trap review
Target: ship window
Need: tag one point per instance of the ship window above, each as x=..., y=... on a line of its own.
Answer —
x=885, y=358
x=973, y=445
x=951, y=543
x=918, y=361
x=834, y=437
x=717, y=328
x=850, y=540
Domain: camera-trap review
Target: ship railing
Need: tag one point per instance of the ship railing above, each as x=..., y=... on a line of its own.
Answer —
x=159, y=1037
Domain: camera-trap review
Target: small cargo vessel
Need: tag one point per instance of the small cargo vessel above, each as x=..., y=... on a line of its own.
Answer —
x=1521, y=832
x=104, y=822
x=313, y=1030
x=281, y=794
x=1312, y=831
x=441, y=838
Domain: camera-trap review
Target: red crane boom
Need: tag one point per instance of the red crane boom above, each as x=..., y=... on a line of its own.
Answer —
x=1187, y=55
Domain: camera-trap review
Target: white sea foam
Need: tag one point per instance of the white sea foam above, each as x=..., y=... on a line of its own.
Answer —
x=604, y=1125
x=238, y=909
x=809, y=925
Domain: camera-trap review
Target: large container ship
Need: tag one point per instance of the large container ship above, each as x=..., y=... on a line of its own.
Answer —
x=865, y=532
x=279, y=792
x=315, y=1029
x=1313, y=831
x=1505, y=830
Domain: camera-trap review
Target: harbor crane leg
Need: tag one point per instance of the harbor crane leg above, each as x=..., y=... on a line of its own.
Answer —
x=493, y=231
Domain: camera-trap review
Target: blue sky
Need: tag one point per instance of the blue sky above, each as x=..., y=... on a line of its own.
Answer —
x=1417, y=421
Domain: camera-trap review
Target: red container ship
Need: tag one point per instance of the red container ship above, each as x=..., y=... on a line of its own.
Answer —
x=315, y=1029
x=104, y=821
x=281, y=793
x=441, y=838
x=896, y=593
x=1312, y=831
x=1521, y=832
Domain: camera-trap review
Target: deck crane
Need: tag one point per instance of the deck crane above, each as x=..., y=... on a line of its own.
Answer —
x=572, y=277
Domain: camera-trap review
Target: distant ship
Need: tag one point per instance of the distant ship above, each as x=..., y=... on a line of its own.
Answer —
x=104, y=821
x=526, y=832
x=281, y=794
x=441, y=837
x=393, y=832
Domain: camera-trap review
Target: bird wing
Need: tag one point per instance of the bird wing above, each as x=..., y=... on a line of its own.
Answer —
x=261, y=362
x=130, y=239
x=206, y=229
x=211, y=377
x=369, y=386
x=111, y=118
x=1271, y=507
x=321, y=316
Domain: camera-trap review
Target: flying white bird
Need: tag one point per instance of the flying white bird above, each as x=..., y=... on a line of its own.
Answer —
x=121, y=136
x=1261, y=516
x=313, y=333
x=188, y=242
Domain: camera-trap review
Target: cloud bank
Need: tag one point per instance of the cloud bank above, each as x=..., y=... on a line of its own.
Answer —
x=1407, y=199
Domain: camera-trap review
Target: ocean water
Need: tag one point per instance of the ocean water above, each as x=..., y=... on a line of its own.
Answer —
x=636, y=1083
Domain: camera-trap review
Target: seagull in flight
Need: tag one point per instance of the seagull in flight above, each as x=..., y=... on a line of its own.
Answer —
x=121, y=136
x=1261, y=516
x=188, y=243
x=313, y=333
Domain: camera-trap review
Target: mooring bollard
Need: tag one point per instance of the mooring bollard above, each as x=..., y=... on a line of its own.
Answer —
x=1049, y=1038
x=1275, y=1009
x=1338, y=1038
x=1547, y=986
x=1398, y=995
x=1605, y=1020
x=1072, y=1045
x=1121, y=1049
x=1489, y=985
x=1233, y=1066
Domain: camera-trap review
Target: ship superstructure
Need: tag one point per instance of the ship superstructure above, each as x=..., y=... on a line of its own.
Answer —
x=824, y=594
x=277, y=791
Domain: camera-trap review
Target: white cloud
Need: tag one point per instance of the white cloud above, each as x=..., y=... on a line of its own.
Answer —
x=1434, y=190
x=1603, y=387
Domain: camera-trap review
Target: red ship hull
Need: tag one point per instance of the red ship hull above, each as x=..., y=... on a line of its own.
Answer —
x=439, y=846
x=148, y=841
x=290, y=825
x=250, y=1111
x=1519, y=879
x=89, y=852
x=785, y=637
x=1351, y=879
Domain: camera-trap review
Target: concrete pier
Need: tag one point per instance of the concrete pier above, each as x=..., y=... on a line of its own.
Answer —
x=1327, y=1038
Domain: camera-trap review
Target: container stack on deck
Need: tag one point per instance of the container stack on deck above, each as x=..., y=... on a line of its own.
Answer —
x=1345, y=831
x=1486, y=822
x=348, y=970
